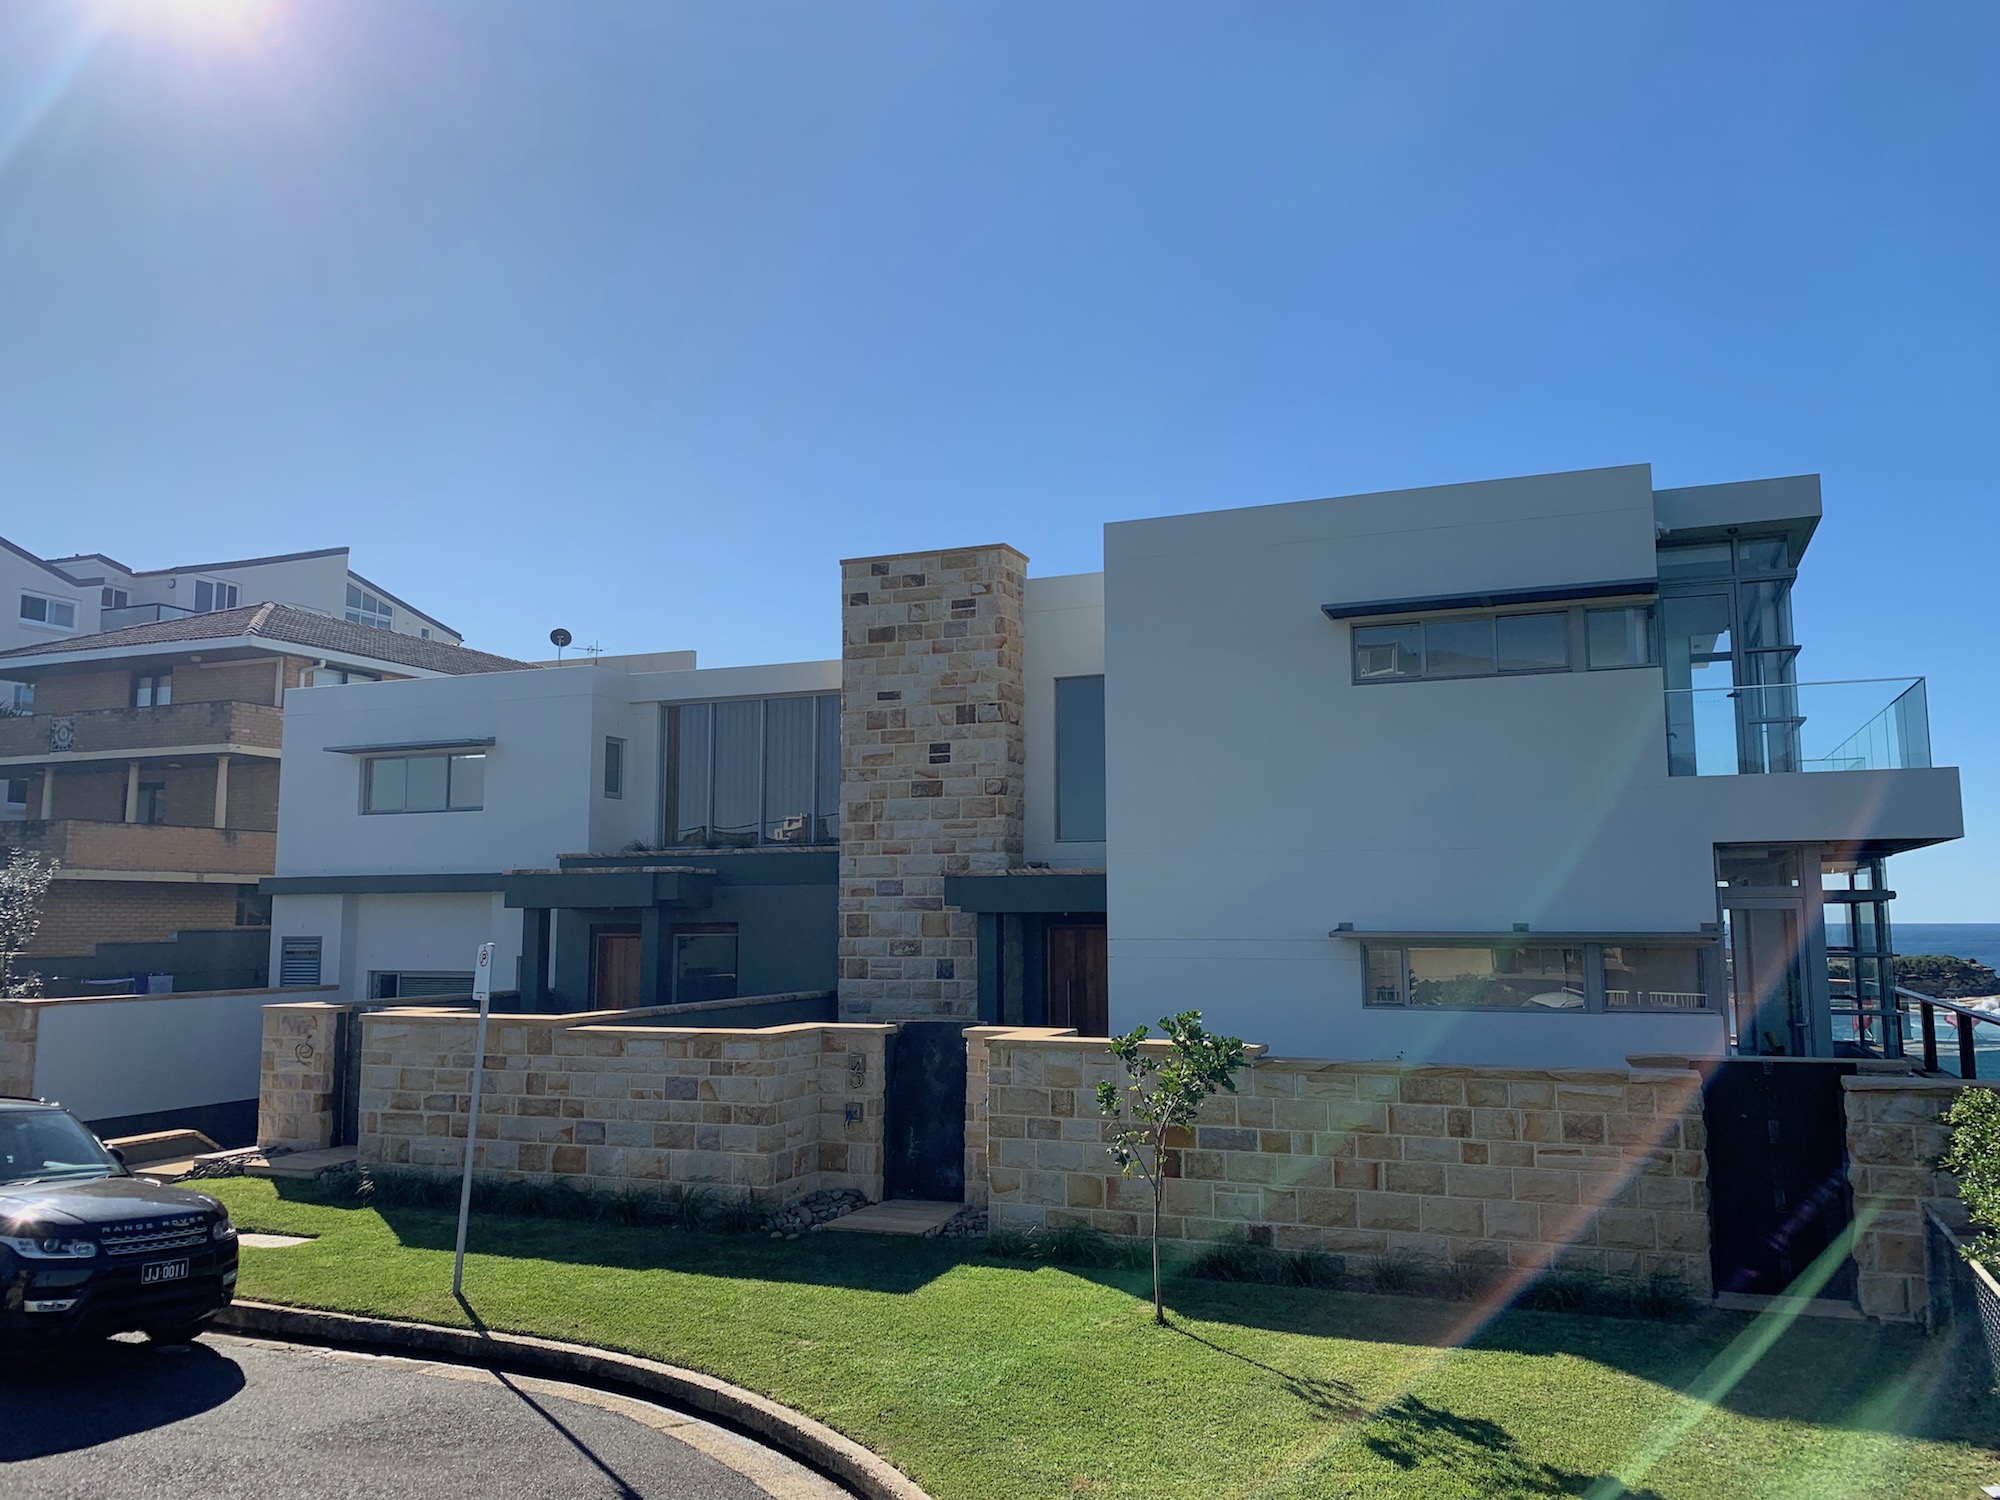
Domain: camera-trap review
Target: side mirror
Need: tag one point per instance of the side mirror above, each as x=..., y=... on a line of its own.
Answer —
x=116, y=1155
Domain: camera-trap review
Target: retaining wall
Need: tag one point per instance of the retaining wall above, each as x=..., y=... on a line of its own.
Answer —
x=1475, y=1167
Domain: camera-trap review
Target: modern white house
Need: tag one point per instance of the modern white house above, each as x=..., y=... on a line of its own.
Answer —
x=1517, y=772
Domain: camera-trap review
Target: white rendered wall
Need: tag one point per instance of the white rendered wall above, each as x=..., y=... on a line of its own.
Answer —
x=430, y=934
x=105, y=1058
x=1063, y=621
x=18, y=576
x=1261, y=797
x=312, y=582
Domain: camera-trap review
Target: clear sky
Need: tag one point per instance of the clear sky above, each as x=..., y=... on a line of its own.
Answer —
x=633, y=318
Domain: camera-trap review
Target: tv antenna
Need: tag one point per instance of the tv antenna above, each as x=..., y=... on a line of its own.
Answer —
x=593, y=651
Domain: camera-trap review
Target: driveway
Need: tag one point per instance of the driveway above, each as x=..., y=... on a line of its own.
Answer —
x=229, y=1417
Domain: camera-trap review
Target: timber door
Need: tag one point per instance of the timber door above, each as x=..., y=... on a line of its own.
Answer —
x=614, y=970
x=1077, y=974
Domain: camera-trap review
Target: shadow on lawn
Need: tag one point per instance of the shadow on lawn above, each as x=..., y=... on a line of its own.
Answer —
x=1827, y=1373
x=1413, y=1434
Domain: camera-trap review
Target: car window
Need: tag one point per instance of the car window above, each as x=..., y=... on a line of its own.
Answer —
x=34, y=1143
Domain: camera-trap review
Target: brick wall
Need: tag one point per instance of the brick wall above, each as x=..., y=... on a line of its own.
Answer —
x=1895, y=1134
x=78, y=913
x=295, y=1077
x=932, y=769
x=78, y=692
x=762, y=1113
x=252, y=680
x=1485, y=1167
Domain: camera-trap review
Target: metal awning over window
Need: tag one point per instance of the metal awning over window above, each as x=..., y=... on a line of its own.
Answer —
x=1624, y=588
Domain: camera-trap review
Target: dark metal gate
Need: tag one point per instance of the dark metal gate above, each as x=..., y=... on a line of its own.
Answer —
x=923, y=1148
x=1777, y=1172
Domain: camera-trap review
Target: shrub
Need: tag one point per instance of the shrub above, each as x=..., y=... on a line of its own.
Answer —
x=1010, y=1244
x=1974, y=1158
x=1398, y=1275
x=1235, y=1259
x=671, y=1206
x=1563, y=1291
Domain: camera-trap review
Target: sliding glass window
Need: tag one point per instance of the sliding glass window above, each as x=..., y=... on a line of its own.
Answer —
x=1463, y=646
x=750, y=772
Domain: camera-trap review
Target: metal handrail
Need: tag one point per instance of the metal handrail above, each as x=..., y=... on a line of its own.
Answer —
x=1964, y=1019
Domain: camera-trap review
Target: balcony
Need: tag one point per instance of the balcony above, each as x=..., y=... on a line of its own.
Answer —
x=140, y=614
x=149, y=848
x=1875, y=724
x=109, y=733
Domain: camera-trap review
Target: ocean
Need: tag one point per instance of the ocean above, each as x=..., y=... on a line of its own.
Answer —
x=1978, y=941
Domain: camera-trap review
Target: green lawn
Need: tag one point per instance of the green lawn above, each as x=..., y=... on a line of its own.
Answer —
x=990, y=1380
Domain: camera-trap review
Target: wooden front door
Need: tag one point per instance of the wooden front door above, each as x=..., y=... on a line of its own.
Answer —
x=614, y=970
x=1078, y=973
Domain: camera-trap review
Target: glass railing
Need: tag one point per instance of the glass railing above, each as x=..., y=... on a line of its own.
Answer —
x=139, y=614
x=1876, y=724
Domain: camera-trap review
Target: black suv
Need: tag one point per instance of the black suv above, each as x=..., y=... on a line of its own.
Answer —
x=88, y=1249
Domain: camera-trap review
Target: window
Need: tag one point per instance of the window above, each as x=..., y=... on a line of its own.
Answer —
x=16, y=698
x=1619, y=637
x=39, y=609
x=298, y=961
x=1079, y=759
x=1653, y=979
x=16, y=790
x=614, y=767
x=423, y=783
x=253, y=908
x=114, y=598
x=1702, y=560
x=211, y=595
x=704, y=963
x=152, y=802
x=364, y=608
x=336, y=676
x=405, y=985
x=1510, y=978
x=753, y=771
x=152, y=689
x=1462, y=646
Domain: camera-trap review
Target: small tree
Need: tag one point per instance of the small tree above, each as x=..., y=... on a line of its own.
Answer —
x=1164, y=1091
x=24, y=881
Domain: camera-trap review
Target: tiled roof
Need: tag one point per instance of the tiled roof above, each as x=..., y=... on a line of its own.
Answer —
x=284, y=624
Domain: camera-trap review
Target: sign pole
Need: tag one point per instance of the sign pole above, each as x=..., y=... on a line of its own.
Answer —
x=482, y=991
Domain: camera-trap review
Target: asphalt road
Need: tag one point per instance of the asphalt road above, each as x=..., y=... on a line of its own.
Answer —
x=226, y=1418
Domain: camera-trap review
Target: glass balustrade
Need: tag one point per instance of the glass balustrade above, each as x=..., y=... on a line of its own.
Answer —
x=1876, y=724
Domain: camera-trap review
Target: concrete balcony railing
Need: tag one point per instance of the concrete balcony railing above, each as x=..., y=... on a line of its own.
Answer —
x=81, y=844
x=177, y=726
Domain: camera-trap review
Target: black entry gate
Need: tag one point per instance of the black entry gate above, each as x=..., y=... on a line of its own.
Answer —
x=923, y=1148
x=1777, y=1171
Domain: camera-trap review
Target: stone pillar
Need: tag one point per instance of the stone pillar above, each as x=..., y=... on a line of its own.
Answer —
x=131, y=791
x=932, y=767
x=17, y=1047
x=295, y=1085
x=221, y=791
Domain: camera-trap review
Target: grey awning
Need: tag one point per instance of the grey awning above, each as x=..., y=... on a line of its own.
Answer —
x=409, y=747
x=1623, y=588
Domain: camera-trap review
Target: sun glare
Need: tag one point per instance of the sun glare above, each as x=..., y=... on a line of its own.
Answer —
x=225, y=22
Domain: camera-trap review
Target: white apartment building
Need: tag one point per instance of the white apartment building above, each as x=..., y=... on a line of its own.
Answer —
x=1522, y=772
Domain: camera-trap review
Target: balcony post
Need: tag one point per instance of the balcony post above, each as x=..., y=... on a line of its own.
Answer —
x=1968, y=1052
x=48, y=793
x=1930, y=1036
x=221, y=791
x=131, y=791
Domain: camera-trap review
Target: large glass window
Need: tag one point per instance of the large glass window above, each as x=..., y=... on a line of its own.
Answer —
x=1079, y=759
x=423, y=783
x=1532, y=643
x=1529, y=976
x=753, y=771
x=1458, y=648
x=367, y=608
x=211, y=595
x=1386, y=652
x=1637, y=978
x=1619, y=637
x=1462, y=646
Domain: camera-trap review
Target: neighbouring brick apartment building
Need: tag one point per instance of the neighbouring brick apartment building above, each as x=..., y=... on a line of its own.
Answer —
x=145, y=758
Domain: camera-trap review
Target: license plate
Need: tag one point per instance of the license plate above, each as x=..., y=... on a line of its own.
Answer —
x=163, y=1270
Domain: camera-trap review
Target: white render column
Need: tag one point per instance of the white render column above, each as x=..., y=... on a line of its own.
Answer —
x=221, y=791
x=48, y=793
x=131, y=791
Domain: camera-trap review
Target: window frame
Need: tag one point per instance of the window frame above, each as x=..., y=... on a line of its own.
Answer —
x=1103, y=767
x=356, y=609
x=614, y=767
x=153, y=689
x=450, y=757
x=1572, y=626
x=49, y=603
x=216, y=587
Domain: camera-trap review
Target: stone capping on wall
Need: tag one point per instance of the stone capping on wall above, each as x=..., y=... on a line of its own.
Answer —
x=1895, y=1135
x=613, y=1100
x=1497, y=1168
x=40, y=1002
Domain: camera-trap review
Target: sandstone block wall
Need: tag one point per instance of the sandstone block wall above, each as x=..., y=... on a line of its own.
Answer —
x=932, y=769
x=296, y=1076
x=1895, y=1134
x=1486, y=1167
x=773, y=1113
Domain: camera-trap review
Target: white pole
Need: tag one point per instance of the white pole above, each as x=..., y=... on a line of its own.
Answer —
x=482, y=991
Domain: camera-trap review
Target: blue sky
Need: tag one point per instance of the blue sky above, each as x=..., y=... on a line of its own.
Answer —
x=635, y=318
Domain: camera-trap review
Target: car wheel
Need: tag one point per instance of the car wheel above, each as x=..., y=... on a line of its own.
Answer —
x=178, y=1333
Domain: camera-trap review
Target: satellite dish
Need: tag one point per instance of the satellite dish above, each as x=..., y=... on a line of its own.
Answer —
x=559, y=637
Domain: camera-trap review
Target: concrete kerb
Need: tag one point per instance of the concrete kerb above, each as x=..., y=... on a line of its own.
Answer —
x=800, y=1437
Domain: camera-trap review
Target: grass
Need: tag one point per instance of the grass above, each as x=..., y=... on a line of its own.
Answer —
x=1020, y=1379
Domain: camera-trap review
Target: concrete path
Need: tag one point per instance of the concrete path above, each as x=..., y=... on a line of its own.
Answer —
x=911, y=1216
x=226, y=1418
